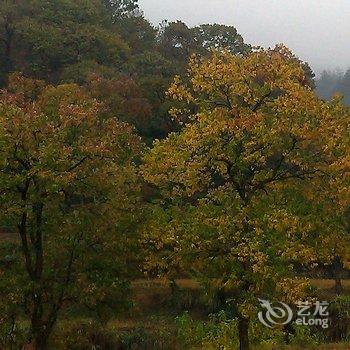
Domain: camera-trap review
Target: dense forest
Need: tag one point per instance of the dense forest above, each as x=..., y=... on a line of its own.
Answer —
x=157, y=184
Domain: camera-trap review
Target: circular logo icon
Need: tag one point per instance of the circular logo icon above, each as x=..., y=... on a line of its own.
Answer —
x=275, y=314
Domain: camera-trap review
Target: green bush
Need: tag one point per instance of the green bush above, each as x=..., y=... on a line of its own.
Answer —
x=216, y=333
x=263, y=337
x=304, y=337
x=339, y=315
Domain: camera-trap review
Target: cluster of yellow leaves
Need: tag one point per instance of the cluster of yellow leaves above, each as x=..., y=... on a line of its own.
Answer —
x=256, y=129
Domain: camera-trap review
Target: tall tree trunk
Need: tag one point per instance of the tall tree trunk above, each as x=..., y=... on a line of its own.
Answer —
x=243, y=333
x=39, y=326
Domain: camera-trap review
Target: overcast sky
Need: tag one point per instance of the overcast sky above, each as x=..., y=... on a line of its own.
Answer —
x=318, y=31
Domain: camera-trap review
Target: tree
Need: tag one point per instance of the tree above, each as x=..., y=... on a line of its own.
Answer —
x=138, y=33
x=42, y=39
x=219, y=36
x=344, y=87
x=331, y=83
x=327, y=84
x=257, y=132
x=176, y=41
x=154, y=74
x=122, y=8
x=122, y=96
x=309, y=75
x=330, y=198
x=10, y=13
x=68, y=186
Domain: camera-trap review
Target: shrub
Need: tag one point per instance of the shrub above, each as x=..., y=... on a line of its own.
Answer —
x=339, y=314
x=216, y=333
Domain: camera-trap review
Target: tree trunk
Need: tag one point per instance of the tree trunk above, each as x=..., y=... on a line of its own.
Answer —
x=338, y=286
x=243, y=328
x=337, y=271
x=40, y=342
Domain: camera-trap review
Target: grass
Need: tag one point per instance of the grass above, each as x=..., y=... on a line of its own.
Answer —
x=6, y=236
x=325, y=289
x=342, y=346
x=329, y=284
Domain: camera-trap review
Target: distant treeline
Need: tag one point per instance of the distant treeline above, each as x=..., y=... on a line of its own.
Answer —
x=333, y=82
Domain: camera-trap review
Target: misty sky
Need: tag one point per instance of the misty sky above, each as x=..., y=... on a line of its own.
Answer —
x=318, y=31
